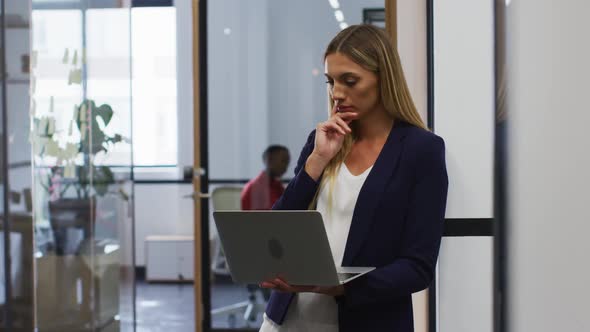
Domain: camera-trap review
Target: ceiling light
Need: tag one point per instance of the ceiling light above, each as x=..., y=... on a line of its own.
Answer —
x=339, y=15
x=334, y=4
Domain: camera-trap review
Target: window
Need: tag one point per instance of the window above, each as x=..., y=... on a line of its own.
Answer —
x=154, y=90
x=152, y=44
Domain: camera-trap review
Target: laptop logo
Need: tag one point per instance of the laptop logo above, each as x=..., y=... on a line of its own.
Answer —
x=275, y=249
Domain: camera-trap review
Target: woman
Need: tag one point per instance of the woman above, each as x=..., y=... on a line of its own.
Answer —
x=378, y=177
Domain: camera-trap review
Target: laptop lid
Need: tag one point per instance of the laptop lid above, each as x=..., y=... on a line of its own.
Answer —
x=260, y=245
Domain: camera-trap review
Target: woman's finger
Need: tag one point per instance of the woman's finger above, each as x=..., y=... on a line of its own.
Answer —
x=267, y=284
x=334, y=109
x=278, y=288
x=333, y=126
x=342, y=124
x=281, y=284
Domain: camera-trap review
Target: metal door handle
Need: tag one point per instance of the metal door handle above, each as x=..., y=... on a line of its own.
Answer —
x=195, y=195
x=198, y=172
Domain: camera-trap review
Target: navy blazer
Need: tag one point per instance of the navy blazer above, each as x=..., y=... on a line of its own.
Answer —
x=396, y=226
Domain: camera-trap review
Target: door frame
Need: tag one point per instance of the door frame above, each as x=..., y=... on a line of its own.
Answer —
x=200, y=162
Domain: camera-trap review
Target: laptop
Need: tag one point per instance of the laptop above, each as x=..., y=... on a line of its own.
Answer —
x=261, y=245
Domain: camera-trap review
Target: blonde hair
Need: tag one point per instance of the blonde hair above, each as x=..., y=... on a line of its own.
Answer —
x=371, y=48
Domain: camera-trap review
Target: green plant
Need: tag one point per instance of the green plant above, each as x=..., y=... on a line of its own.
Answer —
x=75, y=161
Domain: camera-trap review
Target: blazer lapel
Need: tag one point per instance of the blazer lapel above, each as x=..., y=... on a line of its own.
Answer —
x=372, y=190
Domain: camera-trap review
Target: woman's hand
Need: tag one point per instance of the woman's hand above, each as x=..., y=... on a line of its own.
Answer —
x=282, y=286
x=329, y=137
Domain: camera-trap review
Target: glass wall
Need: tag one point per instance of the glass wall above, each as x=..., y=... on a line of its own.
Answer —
x=82, y=159
x=266, y=86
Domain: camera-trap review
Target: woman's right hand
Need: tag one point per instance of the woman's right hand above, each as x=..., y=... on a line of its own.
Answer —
x=282, y=285
x=329, y=137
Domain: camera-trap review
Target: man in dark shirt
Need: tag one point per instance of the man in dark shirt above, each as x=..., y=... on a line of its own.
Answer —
x=262, y=192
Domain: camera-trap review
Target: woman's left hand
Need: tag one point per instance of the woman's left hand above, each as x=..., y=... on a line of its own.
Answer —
x=283, y=286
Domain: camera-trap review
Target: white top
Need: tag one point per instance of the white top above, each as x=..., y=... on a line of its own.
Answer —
x=318, y=312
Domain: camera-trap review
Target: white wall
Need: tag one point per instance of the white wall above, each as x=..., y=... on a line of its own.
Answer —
x=411, y=44
x=464, y=117
x=184, y=76
x=237, y=85
x=549, y=159
x=464, y=284
x=464, y=102
x=161, y=209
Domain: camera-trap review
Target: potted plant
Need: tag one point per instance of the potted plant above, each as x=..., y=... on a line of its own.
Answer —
x=66, y=167
x=74, y=181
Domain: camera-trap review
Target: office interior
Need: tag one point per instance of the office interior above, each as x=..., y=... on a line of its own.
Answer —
x=126, y=123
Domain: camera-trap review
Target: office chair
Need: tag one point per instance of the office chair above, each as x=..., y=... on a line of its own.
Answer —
x=222, y=198
x=228, y=198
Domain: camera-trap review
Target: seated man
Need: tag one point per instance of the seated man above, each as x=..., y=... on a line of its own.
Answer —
x=262, y=192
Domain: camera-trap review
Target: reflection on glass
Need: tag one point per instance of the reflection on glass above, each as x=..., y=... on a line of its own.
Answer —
x=81, y=126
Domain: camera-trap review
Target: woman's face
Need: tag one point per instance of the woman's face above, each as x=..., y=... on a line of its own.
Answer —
x=352, y=87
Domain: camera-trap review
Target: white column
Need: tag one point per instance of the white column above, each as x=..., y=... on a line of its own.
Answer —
x=548, y=113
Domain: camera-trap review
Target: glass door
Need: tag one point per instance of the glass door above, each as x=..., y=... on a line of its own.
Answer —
x=82, y=165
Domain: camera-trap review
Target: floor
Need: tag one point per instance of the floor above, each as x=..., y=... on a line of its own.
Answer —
x=170, y=307
x=165, y=307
